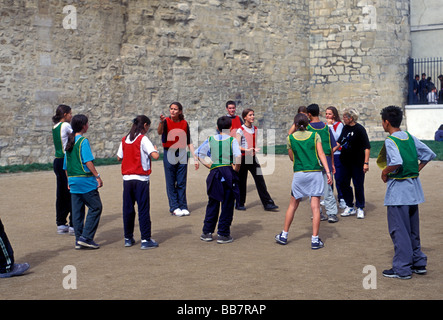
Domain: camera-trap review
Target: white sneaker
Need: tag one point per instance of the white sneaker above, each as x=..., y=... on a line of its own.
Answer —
x=177, y=212
x=62, y=229
x=349, y=211
x=342, y=204
x=71, y=231
x=360, y=213
x=185, y=212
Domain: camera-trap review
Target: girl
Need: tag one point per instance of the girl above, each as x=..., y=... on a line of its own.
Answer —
x=334, y=122
x=84, y=181
x=135, y=152
x=305, y=150
x=60, y=131
x=301, y=109
x=247, y=139
x=175, y=138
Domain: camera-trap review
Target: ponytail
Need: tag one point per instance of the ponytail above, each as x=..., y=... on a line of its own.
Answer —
x=60, y=113
x=77, y=123
x=301, y=122
x=138, y=125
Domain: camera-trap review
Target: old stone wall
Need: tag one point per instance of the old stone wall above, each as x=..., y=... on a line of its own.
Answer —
x=135, y=57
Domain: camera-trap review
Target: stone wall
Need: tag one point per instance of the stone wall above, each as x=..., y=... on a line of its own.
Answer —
x=135, y=57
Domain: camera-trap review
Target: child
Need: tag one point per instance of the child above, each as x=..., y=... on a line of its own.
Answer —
x=175, y=137
x=83, y=180
x=301, y=109
x=336, y=126
x=60, y=131
x=222, y=182
x=237, y=122
x=135, y=152
x=247, y=139
x=305, y=149
x=328, y=144
x=399, y=160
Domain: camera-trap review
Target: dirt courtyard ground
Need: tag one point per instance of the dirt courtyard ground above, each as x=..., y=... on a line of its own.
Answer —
x=253, y=267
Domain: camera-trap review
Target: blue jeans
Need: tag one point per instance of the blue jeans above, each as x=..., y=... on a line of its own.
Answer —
x=176, y=176
x=86, y=227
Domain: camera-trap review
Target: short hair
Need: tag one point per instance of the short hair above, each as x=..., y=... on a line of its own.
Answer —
x=302, y=109
x=393, y=114
x=245, y=113
x=224, y=123
x=230, y=102
x=313, y=109
x=351, y=113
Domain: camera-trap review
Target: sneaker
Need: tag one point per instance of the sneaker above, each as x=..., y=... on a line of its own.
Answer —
x=280, y=239
x=323, y=217
x=332, y=218
x=87, y=243
x=392, y=274
x=224, y=239
x=349, y=211
x=342, y=204
x=17, y=270
x=317, y=245
x=206, y=237
x=242, y=208
x=419, y=270
x=148, y=244
x=129, y=242
x=71, y=231
x=185, y=212
x=177, y=212
x=270, y=207
x=62, y=229
x=360, y=213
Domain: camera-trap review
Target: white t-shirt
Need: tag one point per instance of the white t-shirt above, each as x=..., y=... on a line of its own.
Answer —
x=146, y=148
x=65, y=131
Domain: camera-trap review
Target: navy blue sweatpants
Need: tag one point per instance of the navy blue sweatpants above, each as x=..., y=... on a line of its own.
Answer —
x=136, y=191
x=226, y=214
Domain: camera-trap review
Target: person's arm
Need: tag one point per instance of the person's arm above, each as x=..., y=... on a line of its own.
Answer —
x=366, y=163
x=91, y=167
x=324, y=162
x=388, y=170
x=161, y=124
x=155, y=154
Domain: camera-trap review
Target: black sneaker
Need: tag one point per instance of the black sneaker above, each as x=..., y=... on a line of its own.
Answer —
x=206, y=237
x=271, y=207
x=392, y=274
x=224, y=239
x=419, y=270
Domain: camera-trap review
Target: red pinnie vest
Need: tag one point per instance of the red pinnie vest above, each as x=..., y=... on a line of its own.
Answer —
x=132, y=161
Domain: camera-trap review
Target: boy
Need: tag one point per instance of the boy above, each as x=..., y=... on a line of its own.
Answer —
x=328, y=144
x=237, y=121
x=222, y=181
x=399, y=160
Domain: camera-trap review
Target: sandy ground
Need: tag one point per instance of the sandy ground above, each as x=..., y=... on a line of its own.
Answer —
x=184, y=267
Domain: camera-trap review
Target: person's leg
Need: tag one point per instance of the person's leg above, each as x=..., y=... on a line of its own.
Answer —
x=358, y=180
x=345, y=185
x=315, y=207
x=128, y=208
x=329, y=198
x=290, y=212
x=419, y=258
x=400, y=230
x=143, y=203
x=63, y=196
x=95, y=207
x=243, y=180
x=6, y=251
x=260, y=183
x=211, y=216
x=181, y=180
x=78, y=214
x=170, y=179
x=227, y=212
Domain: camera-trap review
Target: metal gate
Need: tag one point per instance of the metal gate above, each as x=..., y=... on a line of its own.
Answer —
x=430, y=67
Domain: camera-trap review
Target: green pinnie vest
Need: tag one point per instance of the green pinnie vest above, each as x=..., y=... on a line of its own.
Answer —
x=74, y=164
x=408, y=153
x=305, y=153
x=58, y=144
x=325, y=138
x=221, y=152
